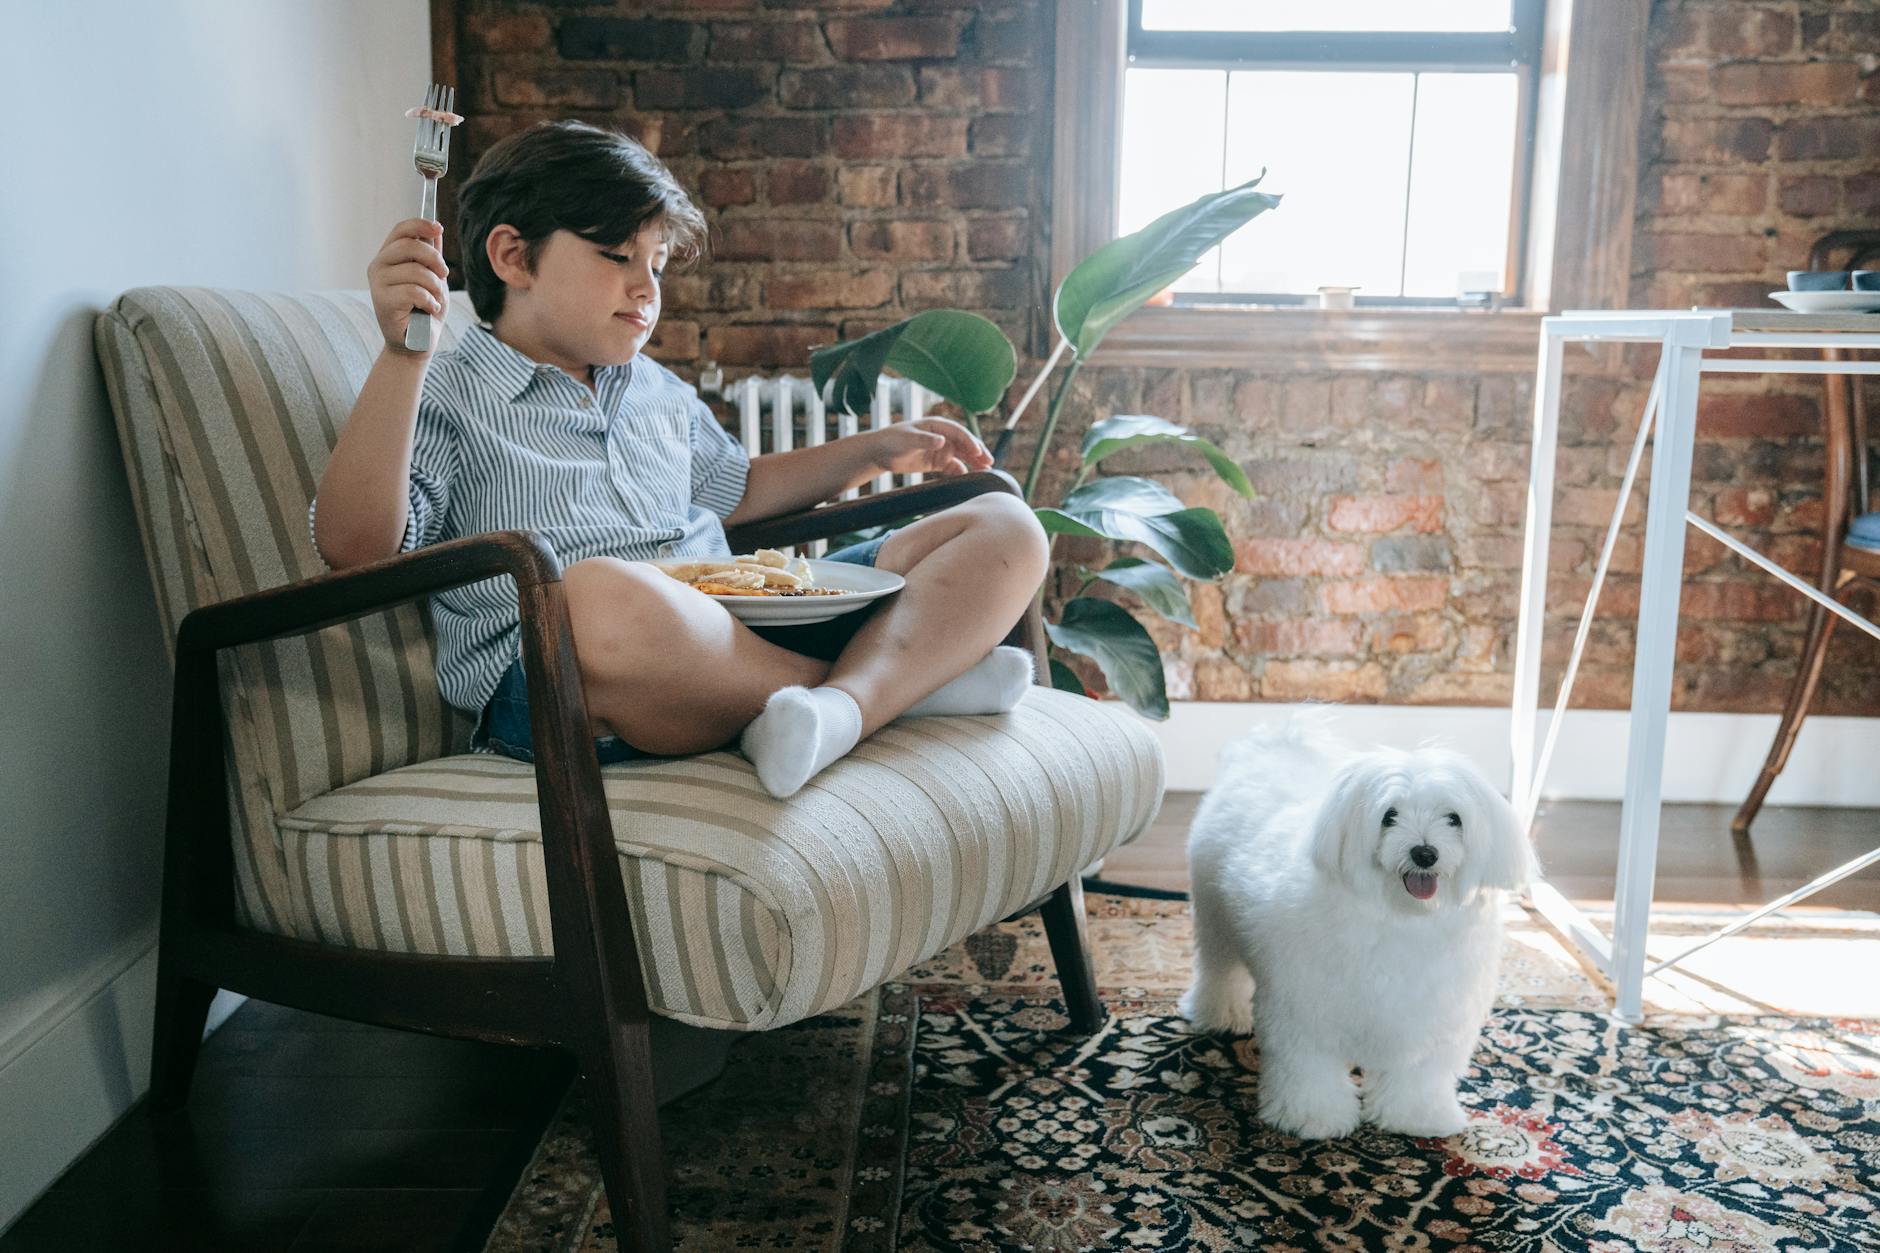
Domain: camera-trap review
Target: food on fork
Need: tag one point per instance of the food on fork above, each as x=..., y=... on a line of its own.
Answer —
x=436, y=115
x=765, y=572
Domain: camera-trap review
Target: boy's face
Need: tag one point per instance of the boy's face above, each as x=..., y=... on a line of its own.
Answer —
x=597, y=305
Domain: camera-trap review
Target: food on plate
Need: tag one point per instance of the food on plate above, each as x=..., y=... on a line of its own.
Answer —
x=436, y=115
x=765, y=572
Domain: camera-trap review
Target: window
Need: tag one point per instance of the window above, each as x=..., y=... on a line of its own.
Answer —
x=1557, y=233
x=1396, y=129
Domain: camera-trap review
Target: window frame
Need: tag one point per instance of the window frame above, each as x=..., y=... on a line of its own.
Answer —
x=1516, y=50
x=1576, y=241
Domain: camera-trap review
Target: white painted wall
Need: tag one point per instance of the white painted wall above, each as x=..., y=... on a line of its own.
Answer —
x=230, y=143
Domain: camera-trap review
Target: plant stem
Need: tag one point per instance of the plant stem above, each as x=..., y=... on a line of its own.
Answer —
x=1036, y=383
x=972, y=424
x=1050, y=427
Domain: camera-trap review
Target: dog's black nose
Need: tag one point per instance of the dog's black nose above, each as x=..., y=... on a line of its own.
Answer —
x=1423, y=855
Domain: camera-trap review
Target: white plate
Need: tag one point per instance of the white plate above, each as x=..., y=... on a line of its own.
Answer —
x=860, y=585
x=1828, y=301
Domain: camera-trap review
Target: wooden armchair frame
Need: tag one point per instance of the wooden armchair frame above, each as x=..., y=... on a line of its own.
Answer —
x=589, y=997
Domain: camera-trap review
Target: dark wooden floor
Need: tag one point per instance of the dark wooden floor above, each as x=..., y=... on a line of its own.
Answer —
x=304, y=1133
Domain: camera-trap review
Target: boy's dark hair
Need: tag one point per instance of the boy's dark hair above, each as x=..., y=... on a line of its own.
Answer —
x=600, y=184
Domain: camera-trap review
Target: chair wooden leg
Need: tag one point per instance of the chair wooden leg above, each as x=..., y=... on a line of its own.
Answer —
x=182, y=1011
x=1064, y=927
x=623, y=1110
x=1821, y=625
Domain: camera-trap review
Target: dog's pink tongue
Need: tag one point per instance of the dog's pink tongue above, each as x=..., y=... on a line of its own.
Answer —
x=1420, y=885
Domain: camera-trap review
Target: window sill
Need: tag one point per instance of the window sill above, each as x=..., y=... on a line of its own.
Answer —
x=1419, y=341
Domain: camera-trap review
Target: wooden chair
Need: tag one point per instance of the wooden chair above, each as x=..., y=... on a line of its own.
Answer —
x=1850, y=528
x=332, y=846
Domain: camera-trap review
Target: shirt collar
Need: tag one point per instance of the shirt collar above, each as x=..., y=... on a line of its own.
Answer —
x=512, y=373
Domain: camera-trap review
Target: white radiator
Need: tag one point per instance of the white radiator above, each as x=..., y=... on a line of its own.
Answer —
x=784, y=411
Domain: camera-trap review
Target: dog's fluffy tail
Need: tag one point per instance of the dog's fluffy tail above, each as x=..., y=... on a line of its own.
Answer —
x=1305, y=733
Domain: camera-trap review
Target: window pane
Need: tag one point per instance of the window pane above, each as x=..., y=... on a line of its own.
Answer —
x=1317, y=15
x=1337, y=147
x=1172, y=126
x=1461, y=183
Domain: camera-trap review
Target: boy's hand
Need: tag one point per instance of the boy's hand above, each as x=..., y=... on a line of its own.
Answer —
x=408, y=274
x=928, y=446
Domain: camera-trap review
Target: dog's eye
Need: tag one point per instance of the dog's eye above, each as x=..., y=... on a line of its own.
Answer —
x=1390, y=817
x=1455, y=820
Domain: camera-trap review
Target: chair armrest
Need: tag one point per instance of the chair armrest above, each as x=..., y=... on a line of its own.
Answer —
x=852, y=515
x=296, y=608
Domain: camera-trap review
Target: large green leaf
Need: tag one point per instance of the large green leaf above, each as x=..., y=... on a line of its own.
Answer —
x=1108, y=635
x=1065, y=679
x=1145, y=512
x=1109, y=284
x=961, y=356
x=1154, y=584
x=1112, y=435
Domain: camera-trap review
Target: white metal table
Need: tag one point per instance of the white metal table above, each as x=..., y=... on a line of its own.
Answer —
x=1683, y=336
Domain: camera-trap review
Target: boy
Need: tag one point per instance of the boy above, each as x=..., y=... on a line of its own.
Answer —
x=547, y=417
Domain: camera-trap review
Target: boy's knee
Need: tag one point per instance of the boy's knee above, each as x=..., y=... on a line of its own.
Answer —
x=1020, y=535
x=614, y=608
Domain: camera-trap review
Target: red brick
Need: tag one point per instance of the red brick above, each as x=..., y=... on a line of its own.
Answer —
x=1299, y=637
x=1828, y=138
x=1414, y=475
x=1012, y=40
x=1297, y=556
x=722, y=186
x=847, y=87
x=997, y=239
x=968, y=289
x=1384, y=595
x=701, y=87
x=867, y=186
x=1717, y=141
x=1740, y=253
x=1465, y=689
x=1727, y=195
x=580, y=89
x=772, y=239
x=1418, y=633
x=796, y=182
x=902, y=241
x=1741, y=602
x=506, y=32
x=1210, y=614
x=766, y=345
x=830, y=289
x=986, y=185
x=626, y=39
x=1222, y=678
x=798, y=42
x=1745, y=506
x=1804, y=82
x=1372, y=514
x=1001, y=135
x=1728, y=415
x=674, y=341
x=735, y=137
x=1811, y=197
x=896, y=38
x=1322, y=680
x=900, y=135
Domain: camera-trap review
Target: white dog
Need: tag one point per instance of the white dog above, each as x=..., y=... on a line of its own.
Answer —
x=1348, y=905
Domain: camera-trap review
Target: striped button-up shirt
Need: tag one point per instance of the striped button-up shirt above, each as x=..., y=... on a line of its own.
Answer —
x=641, y=469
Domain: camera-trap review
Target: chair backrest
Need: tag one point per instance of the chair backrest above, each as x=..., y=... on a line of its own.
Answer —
x=1851, y=250
x=228, y=404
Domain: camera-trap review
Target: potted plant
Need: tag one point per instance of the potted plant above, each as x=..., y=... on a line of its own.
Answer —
x=967, y=360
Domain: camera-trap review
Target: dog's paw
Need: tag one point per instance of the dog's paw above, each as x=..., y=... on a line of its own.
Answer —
x=1208, y=1011
x=1311, y=1119
x=1428, y=1119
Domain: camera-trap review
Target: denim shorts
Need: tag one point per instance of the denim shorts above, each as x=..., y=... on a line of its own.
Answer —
x=504, y=726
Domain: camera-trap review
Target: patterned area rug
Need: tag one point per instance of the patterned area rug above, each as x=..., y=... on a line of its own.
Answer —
x=949, y=1110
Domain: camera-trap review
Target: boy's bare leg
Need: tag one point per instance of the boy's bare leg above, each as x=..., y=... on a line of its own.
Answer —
x=665, y=667
x=971, y=571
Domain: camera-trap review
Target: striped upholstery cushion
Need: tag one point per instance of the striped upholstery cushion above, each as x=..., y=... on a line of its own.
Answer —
x=750, y=912
x=227, y=405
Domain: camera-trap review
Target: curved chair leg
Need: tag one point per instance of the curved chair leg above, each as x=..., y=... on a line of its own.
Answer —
x=1821, y=625
x=182, y=1011
x=1064, y=927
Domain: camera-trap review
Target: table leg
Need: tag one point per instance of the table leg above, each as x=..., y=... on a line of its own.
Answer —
x=1659, y=591
x=1529, y=626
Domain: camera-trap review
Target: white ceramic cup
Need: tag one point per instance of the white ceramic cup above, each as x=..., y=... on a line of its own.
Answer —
x=1334, y=297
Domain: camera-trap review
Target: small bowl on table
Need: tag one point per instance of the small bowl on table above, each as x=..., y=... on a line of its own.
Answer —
x=1867, y=280
x=1818, y=280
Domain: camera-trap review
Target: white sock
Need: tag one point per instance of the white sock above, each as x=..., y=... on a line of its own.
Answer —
x=993, y=686
x=801, y=730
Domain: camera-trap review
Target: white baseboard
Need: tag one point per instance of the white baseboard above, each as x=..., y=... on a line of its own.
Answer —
x=1712, y=758
x=75, y=1065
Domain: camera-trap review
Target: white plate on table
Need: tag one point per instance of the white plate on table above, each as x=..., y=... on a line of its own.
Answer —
x=1828, y=301
x=860, y=585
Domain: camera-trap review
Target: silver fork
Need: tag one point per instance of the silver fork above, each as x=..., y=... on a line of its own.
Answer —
x=430, y=152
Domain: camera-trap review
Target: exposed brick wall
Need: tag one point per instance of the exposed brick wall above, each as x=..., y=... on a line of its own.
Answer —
x=863, y=160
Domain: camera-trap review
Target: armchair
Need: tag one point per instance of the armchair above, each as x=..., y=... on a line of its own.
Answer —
x=333, y=846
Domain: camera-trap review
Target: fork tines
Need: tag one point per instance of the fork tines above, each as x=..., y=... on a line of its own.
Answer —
x=433, y=140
